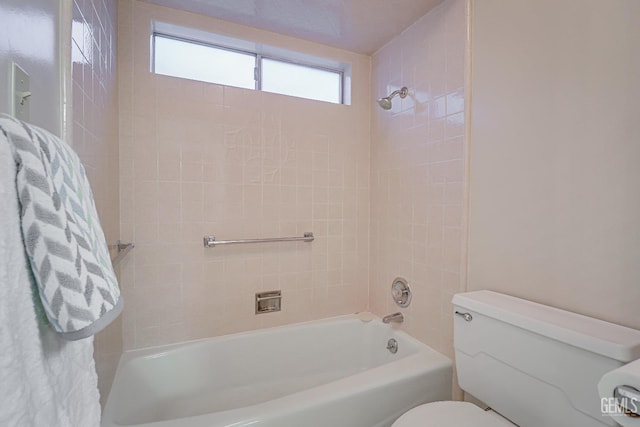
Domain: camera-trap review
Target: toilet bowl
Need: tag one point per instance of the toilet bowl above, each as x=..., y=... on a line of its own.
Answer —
x=534, y=364
x=450, y=414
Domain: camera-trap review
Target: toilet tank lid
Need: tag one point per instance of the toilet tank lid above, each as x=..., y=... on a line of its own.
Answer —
x=600, y=337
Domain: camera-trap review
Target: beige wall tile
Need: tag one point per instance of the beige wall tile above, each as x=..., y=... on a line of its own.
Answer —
x=95, y=139
x=418, y=173
x=208, y=159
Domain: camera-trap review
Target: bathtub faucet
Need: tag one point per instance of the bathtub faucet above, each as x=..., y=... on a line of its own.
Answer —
x=395, y=317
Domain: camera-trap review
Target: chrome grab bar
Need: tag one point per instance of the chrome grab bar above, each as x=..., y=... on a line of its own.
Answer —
x=211, y=242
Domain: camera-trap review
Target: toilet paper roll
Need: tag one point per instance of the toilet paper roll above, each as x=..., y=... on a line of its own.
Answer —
x=627, y=375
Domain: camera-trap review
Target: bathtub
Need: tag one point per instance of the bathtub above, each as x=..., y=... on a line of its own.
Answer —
x=333, y=372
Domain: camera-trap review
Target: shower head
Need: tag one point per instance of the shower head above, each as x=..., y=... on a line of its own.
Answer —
x=385, y=103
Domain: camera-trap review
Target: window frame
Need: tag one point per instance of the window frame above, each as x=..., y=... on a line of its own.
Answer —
x=257, y=70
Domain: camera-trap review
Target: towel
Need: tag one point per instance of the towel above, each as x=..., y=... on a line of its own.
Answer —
x=45, y=380
x=62, y=235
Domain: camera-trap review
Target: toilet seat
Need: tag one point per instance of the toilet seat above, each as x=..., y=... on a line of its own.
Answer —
x=450, y=414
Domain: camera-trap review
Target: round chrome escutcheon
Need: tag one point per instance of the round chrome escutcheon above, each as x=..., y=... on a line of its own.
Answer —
x=400, y=292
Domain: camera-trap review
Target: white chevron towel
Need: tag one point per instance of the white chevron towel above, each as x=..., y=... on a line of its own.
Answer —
x=63, y=238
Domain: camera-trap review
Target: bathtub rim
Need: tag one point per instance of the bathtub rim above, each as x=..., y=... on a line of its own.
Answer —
x=163, y=348
x=436, y=362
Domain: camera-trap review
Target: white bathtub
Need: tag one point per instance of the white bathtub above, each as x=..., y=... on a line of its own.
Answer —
x=329, y=373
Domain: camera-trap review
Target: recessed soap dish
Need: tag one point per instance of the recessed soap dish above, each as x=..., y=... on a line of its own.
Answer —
x=268, y=302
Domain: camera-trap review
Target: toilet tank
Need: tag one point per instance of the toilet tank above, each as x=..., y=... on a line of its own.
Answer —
x=538, y=366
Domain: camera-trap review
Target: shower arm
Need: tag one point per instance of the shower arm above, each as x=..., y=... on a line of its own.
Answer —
x=385, y=103
x=402, y=92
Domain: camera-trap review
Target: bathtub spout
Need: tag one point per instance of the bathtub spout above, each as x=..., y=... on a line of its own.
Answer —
x=395, y=317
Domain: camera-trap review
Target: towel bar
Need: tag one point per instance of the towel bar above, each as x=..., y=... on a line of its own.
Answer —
x=211, y=242
x=122, y=251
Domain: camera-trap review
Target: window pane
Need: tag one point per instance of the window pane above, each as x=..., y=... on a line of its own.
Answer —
x=298, y=80
x=194, y=61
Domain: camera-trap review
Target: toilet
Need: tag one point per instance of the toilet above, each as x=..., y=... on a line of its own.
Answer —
x=533, y=365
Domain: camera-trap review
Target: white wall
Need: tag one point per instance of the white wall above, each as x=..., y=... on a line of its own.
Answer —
x=555, y=153
x=30, y=38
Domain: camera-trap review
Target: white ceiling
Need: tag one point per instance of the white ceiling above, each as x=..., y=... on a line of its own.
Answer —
x=361, y=26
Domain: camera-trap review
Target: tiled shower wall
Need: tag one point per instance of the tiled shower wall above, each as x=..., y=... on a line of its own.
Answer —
x=95, y=138
x=418, y=173
x=199, y=159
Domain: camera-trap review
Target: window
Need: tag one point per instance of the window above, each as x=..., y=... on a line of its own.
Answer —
x=209, y=62
x=299, y=80
x=196, y=61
